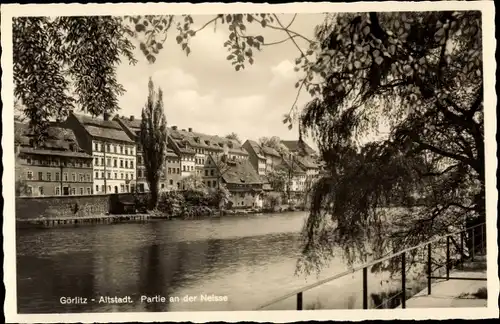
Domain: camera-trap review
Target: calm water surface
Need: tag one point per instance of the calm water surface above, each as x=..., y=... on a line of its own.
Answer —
x=250, y=259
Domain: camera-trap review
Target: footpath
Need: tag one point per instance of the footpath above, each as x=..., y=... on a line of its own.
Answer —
x=467, y=291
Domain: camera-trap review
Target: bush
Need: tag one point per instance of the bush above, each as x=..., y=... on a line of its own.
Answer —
x=170, y=202
x=197, y=197
x=272, y=200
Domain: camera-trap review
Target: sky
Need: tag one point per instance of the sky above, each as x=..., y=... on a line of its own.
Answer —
x=204, y=92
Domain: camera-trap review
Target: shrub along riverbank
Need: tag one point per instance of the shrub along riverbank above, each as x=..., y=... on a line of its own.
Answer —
x=198, y=203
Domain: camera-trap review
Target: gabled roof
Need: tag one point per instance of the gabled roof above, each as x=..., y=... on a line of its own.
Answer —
x=58, y=141
x=107, y=129
x=292, y=165
x=241, y=172
x=270, y=151
x=204, y=141
x=256, y=148
x=263, y=151
x=294, y=146
x=307, y=162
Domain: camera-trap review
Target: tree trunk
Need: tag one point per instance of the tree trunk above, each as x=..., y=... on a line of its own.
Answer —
x=153, y=198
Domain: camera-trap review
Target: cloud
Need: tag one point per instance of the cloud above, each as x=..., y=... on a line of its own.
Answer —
x=283, y=73
x=174, y=78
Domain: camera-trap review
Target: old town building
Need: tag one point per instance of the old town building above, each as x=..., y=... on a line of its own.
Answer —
x=171, y=172
x=56, y=167
x=113, y=151
x=241, y=179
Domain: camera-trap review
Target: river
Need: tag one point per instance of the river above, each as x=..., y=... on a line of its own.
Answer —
x=250, y=259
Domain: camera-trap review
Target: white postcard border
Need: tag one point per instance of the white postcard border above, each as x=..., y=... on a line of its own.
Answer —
x=490, y=103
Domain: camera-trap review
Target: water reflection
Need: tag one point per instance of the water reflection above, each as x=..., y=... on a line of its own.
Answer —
x=250, y=259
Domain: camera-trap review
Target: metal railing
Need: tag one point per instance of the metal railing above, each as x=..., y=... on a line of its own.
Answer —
x=477, y=233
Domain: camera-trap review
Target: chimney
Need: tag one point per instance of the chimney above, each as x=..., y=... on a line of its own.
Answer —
x=132, y=117
x=106, y=116
x=174, y=127
x=190, y=129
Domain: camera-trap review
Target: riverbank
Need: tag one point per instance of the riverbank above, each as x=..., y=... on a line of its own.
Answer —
x=204, y=212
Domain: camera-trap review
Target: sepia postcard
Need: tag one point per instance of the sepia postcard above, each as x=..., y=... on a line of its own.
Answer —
x=249, y=162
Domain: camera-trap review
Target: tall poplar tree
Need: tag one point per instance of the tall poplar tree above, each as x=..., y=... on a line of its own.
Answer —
x=153, y=139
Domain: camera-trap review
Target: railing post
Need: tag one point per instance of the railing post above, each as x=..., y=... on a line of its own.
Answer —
x=462, y=254
x=447, y=258
x=299, y=301
x=403, y=279
x=473, y=244
x=365, y=288
x=429, y=270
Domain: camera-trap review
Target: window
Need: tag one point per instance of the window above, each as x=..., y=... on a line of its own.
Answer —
x=102, y=188
x=131, y=176
x=108, y=148
x=49, y=176
x=40, y=191
x=97, y=175
x=109, y=175
x=171, y=182
x=139, y=173
x=116, y=175
x=206, y=173
x=126, y=176
x=102, y=161
x=73, y=191
x=183, y=168
x=88, y=191
x=126, y=151
x=102, y=176
x=122, y=188
x=121, y=174
x=214, y=183
x=139, y=160
x=108, y=162
x=163, y=186
x=73, y=177
x=81, y=178
x=169, y=170
x=58, y=191
x=131, y=164
x=40, y=176
x=29, y=175
x=96, y=188
x=115, y=162
x=208, y=184
x=96, y=146
x=29, y=191
x=178, y=170
x=96, y=161
x=88, y=177
x=192, y=168
x=57, y=176
x=65, y=176
x=121, y=149
x=126, y=164
x=81, y=191
x=114, y=148
x=212, y=172
x=121, y=163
